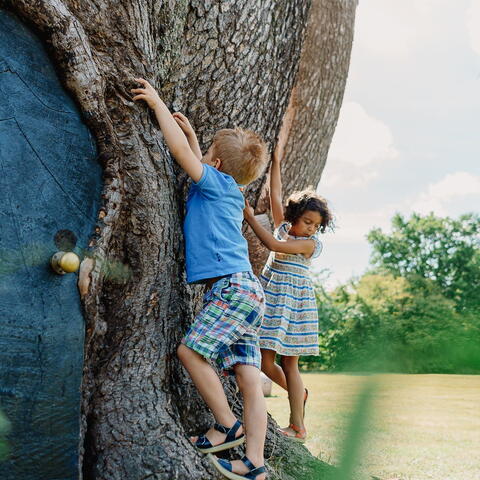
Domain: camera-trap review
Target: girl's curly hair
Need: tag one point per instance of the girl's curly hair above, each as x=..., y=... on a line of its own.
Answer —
x=300, y=202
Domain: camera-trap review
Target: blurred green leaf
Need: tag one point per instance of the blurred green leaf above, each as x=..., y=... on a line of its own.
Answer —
x=4, y=429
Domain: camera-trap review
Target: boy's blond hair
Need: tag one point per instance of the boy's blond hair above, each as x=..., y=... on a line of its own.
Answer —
x=242, y=152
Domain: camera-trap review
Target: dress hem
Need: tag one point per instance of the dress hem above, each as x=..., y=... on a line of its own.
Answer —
x=290, y=352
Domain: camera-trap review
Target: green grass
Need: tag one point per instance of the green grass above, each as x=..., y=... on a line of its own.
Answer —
x=422, y=426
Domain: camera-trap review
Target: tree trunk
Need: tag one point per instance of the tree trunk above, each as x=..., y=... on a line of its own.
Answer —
x=223, y=63
x=314, y=105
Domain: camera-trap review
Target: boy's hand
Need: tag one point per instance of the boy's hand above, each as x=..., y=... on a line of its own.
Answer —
x=177, y=142
x=187, y=129
x=146, y=93
x=248, y=212
x=183, y=123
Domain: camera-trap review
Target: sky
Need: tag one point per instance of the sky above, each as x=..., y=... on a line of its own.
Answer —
x=408, y=135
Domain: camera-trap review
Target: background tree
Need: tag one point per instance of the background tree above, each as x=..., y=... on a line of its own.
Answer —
x=444, y=250
x=389, y=324
x=417, y=310
x=223, y=63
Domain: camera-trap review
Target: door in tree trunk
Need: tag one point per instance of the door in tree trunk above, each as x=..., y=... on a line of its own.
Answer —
x=49, y=192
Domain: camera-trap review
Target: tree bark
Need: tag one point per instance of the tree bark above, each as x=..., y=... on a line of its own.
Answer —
x=314, y=104
x=223, y=63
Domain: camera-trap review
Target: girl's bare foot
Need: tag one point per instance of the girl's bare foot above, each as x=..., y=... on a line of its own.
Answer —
x=294, y=432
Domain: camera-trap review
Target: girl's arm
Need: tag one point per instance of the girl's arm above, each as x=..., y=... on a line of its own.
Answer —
x=276, y=204
x=306, y=246
x=174, y=137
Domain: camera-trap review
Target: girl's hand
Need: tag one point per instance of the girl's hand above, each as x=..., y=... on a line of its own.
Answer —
x=277, y=154
x=184, y=124
x=284, y=132
x=146, y=93
x=279, y=151
x=248, y=212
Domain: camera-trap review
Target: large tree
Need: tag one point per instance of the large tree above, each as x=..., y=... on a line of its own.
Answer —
x=223, y=63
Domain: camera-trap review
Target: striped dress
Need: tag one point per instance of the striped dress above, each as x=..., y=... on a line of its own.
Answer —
x=290, y=324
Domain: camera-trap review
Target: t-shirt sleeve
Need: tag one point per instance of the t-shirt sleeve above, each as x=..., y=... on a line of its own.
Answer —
x=281, y=232
x=318, y=246
x=213, y=183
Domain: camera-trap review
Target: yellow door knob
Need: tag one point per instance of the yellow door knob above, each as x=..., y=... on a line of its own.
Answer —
x=65, y=262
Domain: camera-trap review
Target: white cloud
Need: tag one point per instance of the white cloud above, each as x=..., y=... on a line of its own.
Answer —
x=361, y=143
x=457, y=192
x=398, y=68
x=346, y=252
x=395, y=28
x=473, y=23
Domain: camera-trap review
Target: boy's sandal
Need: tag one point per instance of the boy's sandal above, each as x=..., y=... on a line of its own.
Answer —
x=299, y=436
x=225, y=468
x=203, y=443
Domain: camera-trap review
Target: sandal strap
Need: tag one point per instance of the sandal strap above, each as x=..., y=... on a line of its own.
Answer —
x=297, y=429
x=251, y=475
x=220, y=428
x=203, y=442
x=300, y=433
x=248, y=463
x=230, y=432
x=226, y=464
x=254, y=471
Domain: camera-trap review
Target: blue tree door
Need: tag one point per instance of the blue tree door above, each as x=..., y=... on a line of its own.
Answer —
x=49, y=192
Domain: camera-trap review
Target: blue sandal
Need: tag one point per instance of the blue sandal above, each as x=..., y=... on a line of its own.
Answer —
x=203, y=443
x=225, y=468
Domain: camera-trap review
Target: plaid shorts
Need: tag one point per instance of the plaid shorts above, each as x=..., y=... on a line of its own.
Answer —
x=226, y=328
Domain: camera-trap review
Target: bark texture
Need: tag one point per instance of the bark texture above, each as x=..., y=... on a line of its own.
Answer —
x=223, y=63
x=318, y=92
x=314, y=103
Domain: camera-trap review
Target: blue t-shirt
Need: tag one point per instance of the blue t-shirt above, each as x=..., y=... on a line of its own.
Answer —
x=214, y=243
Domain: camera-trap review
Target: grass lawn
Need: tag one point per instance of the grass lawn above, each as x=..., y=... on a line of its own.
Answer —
x=421, y=426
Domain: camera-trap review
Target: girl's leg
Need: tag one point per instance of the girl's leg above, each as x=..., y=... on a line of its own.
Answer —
x=271, y=369
x=210, y=388
x=296, y=390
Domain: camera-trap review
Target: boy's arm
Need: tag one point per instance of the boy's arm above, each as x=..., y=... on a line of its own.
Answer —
x=306, y=247
x=187, y=129
x=174, y=137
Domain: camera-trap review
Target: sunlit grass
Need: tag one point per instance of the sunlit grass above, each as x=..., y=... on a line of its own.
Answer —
x=423, y=426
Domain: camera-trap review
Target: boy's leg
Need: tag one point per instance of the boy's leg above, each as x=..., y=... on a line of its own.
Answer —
x=296, y=390
x=273, y=371
x=226, y=329
x=210, y=388
x=254, y=416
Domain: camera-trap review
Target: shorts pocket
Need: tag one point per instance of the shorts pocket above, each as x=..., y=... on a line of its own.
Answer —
x=249, y=287
x=222, y=289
